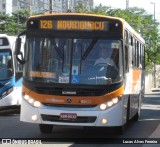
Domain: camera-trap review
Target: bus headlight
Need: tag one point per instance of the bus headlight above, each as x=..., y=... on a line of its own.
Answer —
x=31, y=101
x=110, y=103
x=37, y=104
x=103, y=106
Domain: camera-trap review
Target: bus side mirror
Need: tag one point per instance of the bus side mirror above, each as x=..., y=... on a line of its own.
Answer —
x=18, y=52
x=19, y=55
x=18, y=46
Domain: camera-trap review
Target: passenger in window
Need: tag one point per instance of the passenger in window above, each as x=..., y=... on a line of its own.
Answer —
x=132, y=64
x=140, y=66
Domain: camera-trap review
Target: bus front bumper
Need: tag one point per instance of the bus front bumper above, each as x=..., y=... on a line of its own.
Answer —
x=114, y=116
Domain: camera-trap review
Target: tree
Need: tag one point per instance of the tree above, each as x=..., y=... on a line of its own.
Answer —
x=20, y=18
x=80, y=8
x=144, y=24
x=14, y=23
x=3, y=22
x=100, y=9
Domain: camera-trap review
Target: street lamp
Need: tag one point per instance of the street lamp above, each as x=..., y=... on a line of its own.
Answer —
x=30, y=7
x=154, y=66
x=127, y=4
x=154, y=10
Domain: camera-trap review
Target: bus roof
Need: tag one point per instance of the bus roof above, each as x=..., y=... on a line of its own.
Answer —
x=3, y=35
x=11, y=40
x=130, y=29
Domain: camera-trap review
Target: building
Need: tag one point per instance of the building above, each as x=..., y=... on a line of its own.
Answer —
x=70, y=4
x=33, y=6
x=5, y=6
x=42, y=6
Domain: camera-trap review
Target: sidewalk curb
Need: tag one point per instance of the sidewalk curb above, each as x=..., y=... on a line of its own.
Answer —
x=153, y=91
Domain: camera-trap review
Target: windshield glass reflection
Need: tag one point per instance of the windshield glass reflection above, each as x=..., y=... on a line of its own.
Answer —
x=6, y=65
x=73, y=60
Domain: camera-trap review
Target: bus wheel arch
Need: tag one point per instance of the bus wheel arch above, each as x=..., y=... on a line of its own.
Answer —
x=137, y=115
x=128, y=110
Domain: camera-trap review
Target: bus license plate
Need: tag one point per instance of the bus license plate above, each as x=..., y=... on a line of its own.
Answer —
x=68, y=116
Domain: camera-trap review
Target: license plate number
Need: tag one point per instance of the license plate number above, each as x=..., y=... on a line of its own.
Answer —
x=68, y=116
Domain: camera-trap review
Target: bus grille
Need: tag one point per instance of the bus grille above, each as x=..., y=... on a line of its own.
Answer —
x=55, y=118
x=69, y=106
x=78, y=91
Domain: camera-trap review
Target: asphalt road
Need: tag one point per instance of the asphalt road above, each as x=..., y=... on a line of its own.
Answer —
x=148, y=127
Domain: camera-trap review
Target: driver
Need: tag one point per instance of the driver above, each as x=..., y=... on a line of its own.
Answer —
x=104, y=57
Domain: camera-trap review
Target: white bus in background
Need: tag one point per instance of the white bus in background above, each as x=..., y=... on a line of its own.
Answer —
x=10, y=73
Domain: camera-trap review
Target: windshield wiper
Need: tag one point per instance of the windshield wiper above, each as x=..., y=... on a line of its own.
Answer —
x=56, y=48
x=89, y=49
x=86, y=53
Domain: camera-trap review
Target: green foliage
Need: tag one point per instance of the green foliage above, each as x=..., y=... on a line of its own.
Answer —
x=80, y=8
x=102, y=10
x=144, y=24
x=14, y=23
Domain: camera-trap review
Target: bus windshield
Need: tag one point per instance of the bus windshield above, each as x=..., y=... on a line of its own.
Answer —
x=73, y=60
x=6, y=64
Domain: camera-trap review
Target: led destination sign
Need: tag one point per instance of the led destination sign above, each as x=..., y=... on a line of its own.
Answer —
x=74, y=25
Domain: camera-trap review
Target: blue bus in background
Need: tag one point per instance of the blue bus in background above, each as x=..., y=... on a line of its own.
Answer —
x=10, y=73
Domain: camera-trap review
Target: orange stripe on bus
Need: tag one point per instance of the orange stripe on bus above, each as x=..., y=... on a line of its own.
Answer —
x=76, y=100
x=136, y=78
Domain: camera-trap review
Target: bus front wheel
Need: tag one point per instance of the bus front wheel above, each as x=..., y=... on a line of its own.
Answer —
x=44, y=128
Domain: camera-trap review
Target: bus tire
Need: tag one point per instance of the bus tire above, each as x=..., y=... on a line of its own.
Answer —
x=128, y=111
x=136, y=117
x=45, y=128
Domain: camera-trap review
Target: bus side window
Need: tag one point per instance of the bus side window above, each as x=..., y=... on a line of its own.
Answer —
x=9, y=64
x=126, y=59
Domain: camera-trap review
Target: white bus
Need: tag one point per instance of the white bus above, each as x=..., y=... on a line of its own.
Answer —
x=10, y=73
x=61, y=83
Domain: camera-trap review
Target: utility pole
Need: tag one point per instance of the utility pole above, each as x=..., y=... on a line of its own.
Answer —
x=18, y=18
x=30, y=7
x=50, y=6
x=127, y=4
x=154, y=63
x=154, y=11
x=69, y=9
